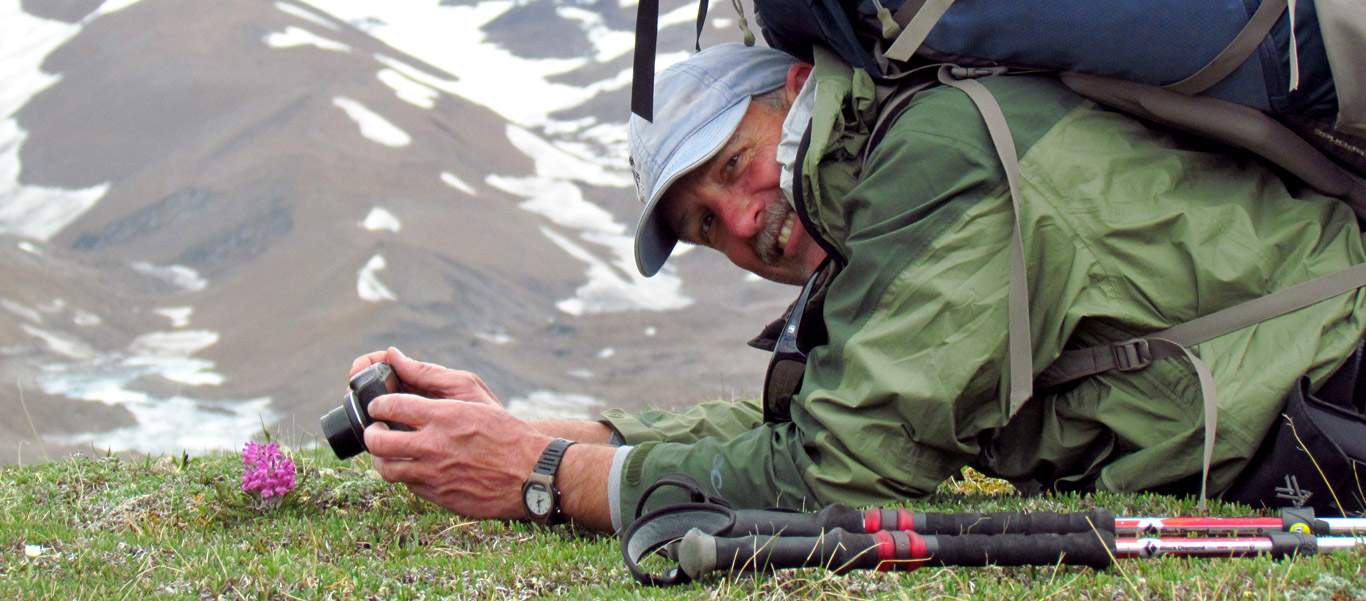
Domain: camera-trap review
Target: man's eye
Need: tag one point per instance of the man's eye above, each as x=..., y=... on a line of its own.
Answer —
x=732, y=164
x=706, y=222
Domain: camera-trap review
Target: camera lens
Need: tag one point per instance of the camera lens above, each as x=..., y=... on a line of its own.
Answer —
x=344, y=432
x=345, y=426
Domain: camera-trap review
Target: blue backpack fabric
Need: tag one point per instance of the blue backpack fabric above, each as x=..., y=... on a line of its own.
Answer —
x=1147, y=41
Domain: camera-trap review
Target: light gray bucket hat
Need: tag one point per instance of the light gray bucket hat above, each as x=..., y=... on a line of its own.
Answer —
x=700, y=103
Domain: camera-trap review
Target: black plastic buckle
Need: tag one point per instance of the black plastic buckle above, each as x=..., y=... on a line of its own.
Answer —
x=1132, y=355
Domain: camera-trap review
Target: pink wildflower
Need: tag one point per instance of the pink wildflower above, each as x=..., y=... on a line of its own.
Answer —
x=267, y=471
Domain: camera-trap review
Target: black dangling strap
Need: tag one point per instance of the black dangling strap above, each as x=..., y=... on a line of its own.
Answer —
x=684, y=482
x=643, y=71
x=701, y=21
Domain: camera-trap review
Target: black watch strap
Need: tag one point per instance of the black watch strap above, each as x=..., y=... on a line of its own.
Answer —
x=547, y=466
x=549, y=463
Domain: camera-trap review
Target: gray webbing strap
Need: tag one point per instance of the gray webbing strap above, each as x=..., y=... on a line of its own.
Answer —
x=1209, y=398
x=917, y=28
x=1017, y=311
x=1136, y=354
x=1236, y=53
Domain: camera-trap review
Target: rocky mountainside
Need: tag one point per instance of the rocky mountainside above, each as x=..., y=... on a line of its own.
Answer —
x=207, y=209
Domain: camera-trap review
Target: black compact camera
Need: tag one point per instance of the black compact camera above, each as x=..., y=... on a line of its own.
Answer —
x=345, y=426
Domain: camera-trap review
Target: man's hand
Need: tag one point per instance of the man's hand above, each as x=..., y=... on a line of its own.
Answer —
x=468, y=457
x=429, y=379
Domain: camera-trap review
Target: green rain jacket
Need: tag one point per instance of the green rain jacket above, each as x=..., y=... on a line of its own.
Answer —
x=1127, y=230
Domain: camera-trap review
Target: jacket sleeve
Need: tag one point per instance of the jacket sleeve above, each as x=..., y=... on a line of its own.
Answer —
x=895, y=402
x=720, y=419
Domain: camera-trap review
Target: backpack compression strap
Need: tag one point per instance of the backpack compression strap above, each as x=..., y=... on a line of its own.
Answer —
x=918, y=17
x=1237, y=52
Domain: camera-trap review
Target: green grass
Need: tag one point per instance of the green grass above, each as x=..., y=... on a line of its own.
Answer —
x=111, y=528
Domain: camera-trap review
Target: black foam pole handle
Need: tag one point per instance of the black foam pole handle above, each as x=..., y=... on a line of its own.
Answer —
x=1015, y=523
x=787, y=523
x=839, y=551
x=1094, y=549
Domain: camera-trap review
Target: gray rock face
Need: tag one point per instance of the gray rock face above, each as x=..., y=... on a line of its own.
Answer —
x=261, y=225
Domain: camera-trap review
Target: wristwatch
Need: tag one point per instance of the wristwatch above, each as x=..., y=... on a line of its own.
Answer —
x=540, y=496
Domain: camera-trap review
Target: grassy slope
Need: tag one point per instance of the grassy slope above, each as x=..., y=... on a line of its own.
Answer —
x=150, y=529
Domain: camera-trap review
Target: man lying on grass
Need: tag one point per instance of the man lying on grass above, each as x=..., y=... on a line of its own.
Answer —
x=892, y=369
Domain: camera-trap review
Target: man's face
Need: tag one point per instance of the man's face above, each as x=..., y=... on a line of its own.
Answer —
x=733, y=203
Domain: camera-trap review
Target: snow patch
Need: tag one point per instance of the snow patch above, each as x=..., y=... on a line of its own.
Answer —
x=372, y=126
x=60, y=343
x=613, y=283
x=408, y=90
x=56, y=306
x=607, y=353
x=37, y=212
x=176, y=275
x=580, y=373
x=651, y=331
x=368, y=285
x=110, y=6
x=175, y=424
x=498, y=338
x=21, y=310
x=295, y=11
x=418, y=75
x=545, y=404
x=380, y=219
x=611, y=289
x=86, y=319
x=161, y=424
x=29, y=248
x=451, y=38
x=179, y=316
x=457, y=183
x=553, y=161
x=294, y=37
x=610, y=43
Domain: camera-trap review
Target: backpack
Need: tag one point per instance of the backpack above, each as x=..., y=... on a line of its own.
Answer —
x=1301, y=64
x=1266, y=77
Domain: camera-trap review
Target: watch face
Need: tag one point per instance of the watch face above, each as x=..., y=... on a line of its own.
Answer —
x=537, y=499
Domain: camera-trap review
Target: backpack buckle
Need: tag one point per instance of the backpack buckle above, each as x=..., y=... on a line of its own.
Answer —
x=975, y=72
x=1132, y=355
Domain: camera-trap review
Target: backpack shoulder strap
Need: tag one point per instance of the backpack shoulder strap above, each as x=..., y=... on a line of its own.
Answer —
x=1019, y=343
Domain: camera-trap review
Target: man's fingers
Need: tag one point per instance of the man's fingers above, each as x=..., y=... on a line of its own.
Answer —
x=399, y=470
x=407, y=409
x=365, y=361
x=430, y=379
x=383, y=442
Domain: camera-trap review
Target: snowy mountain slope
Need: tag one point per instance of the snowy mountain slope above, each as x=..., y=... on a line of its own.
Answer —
x=218, y=205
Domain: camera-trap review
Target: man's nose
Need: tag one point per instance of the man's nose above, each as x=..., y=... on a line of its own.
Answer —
x=745, y=217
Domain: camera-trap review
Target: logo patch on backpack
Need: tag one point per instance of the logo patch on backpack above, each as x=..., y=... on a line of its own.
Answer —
x=1292, y=491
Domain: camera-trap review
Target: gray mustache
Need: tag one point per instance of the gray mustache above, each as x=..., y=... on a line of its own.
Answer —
x=766, y=243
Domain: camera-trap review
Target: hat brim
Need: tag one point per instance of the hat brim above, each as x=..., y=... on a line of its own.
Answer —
x=655, y=240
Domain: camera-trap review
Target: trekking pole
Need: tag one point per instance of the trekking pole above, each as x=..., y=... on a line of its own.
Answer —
x=1291, y=520
x=841, y=551
x=753, y=521
x=699, y=553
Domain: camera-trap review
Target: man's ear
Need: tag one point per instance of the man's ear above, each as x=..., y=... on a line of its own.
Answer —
x=796, y=78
